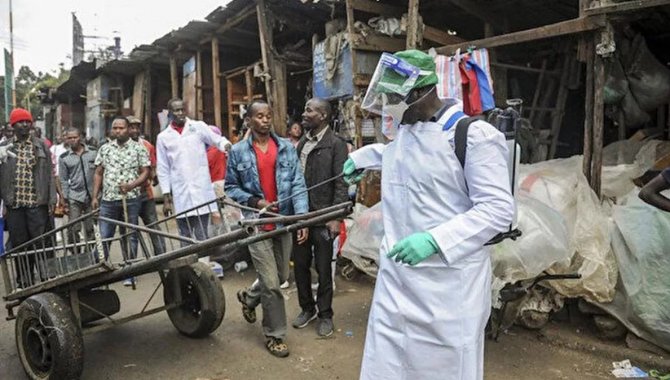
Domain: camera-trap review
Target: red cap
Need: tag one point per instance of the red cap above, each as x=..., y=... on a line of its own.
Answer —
x=19, y=114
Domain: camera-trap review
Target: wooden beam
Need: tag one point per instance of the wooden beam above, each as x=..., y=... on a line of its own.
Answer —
x=378, y=43
x=148, y=109
x=173, y=77
x=377, y=8
x=562, y=28
x=198, y=86
x=216, y=82
x=266, y=43
x=598, y=124
x=439, y=36
x=413, y=40
x=627, y=6
x=237, y=19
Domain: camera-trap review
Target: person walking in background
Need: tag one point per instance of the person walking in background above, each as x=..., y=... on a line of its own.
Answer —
x=122, y=167
x=261, y=170
x=147, y=202
x=294, y=132
x=77, y=172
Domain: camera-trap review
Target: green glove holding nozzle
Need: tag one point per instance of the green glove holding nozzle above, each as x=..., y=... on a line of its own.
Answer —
x=351, y=174
x=414, y=249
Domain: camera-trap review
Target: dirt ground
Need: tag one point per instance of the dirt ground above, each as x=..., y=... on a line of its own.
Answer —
x=150, y=348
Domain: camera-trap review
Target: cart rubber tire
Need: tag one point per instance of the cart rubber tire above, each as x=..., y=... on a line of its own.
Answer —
x=49, y=341
x=203, y=302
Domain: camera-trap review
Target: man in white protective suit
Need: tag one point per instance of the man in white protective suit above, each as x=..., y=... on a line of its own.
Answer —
x=432, y=298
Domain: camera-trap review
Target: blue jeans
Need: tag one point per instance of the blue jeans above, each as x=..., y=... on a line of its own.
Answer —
x=114, y=210
x=194, y=227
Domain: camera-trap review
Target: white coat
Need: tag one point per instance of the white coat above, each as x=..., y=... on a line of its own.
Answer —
x=182, y=167
x=427, y=322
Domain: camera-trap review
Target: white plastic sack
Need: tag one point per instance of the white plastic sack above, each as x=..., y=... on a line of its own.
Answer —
x=364, y=237
x=624, y=161
x=543, y=243
x=642, y=248
x=561, y=185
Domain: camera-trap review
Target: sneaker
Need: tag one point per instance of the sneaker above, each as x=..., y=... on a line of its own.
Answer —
x=277, y=347
x=303, y=319
x=248, y=313
x=285, y=285
x=325, y=327
x=129, y=281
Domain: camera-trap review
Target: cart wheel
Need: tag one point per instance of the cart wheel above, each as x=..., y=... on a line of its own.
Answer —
x=349, y=272
x=48, y=339
x=203, y=303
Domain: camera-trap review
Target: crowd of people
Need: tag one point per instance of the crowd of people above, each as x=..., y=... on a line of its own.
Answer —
x=440, y=208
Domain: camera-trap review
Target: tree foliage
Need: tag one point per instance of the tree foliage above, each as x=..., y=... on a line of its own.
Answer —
x=28, y=86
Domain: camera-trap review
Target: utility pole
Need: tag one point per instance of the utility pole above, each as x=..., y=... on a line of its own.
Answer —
x=11, y=48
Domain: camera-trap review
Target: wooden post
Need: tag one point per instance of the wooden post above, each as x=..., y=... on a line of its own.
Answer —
x=413, y=25
x=351, y=31
x=588, y=109
x=148, y=109
x=173, y=77
x=249, y=83
x=280, y=97
x=216, y=82
x=266, y=54
x=198, y=86
x=598, y=123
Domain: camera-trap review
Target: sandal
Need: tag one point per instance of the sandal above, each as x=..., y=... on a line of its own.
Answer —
x=248, y=313
x=277, y=347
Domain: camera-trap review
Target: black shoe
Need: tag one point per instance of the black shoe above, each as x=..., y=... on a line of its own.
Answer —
x=303, y=319
x=277, y=347
x=248, y=313
x=325, y=327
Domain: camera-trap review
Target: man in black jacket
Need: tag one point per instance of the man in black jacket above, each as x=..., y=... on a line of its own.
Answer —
x=322, y=155
x=28, y=192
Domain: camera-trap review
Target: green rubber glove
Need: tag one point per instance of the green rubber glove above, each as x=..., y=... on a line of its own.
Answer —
x=414, y=249
x=351, y=174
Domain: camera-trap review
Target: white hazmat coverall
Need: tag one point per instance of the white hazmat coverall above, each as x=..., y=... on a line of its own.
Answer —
x=427, y=321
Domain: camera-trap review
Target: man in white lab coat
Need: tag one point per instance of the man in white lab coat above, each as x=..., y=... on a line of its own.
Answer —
x=433, y=291
x=183, y=171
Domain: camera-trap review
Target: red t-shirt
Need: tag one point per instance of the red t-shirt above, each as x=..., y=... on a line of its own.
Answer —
x=152, y=159
x=177, y=128
x=267, y=175
x=217, y=164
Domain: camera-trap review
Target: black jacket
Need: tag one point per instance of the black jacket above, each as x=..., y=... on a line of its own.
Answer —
x=42, y=175
x=323, y=162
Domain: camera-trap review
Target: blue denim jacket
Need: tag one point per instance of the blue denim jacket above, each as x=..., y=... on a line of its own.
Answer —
x=243, y=184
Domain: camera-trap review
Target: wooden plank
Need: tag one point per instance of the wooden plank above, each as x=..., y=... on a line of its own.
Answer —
x=237, y=19
x=377, y=8
x=557, y=115
x=598, y=124
x=562, y=28
x=216, y=82
x=627, y=6
x=378, y=43
x=280, y=107
x=249, y=84
x=538, y=88
x=148, y=114
x=413, y=25
x=198, y=85
x=439, y=36
x=351, y=31
x=173, y=77
x=526, y=69
x=5, y=276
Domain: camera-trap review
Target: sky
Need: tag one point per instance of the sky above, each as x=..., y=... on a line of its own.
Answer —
x=43, y=28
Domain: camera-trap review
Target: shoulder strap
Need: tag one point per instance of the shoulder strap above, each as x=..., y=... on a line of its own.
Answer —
x=461, y=138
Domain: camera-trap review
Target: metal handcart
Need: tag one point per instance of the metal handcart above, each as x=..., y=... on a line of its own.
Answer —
x=59, y=280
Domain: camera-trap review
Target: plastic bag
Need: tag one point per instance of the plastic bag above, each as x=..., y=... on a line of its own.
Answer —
x=639, y=240
x=648, y=79
x=543, y=243
x=616, y=85
x=561, y=185
x=364, y=237
x=624, y=161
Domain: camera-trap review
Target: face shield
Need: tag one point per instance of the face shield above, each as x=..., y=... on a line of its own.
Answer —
x=391, y=83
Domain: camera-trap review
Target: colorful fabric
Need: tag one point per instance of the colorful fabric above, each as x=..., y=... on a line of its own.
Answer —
x=472, y=102
x=122, y=164
x=24, y=189
x=449, y=77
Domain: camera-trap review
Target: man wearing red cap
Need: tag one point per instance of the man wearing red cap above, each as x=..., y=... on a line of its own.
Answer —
x=27, y=189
